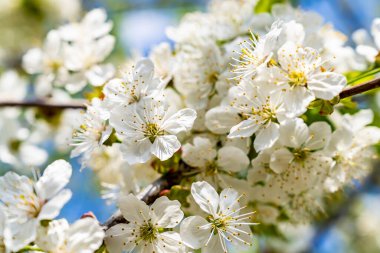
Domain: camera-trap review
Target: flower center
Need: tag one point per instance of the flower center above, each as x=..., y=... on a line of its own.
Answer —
x=212, y=77
x=152, y=130
x=31, y=204
x=148, y=232
x=211, y=168
x=219, y=223
x=265, y=113
x=297, y=78
x=301, y=154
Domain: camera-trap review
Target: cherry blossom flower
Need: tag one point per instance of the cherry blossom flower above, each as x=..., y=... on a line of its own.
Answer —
x=84, y=236
x=223, y=224
x=27, y=203
x=147, y=230
x=139, y=83
x=149, y=130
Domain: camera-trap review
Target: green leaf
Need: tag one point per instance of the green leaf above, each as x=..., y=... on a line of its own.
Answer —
x=266, y=5
x=180, y=193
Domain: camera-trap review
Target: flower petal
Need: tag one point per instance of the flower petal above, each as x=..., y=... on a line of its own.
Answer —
x=166, y=213
x=192, y=234
x=181, y=121
x=266, y=137
x=205, y=196
x=326, y=85
x=51, y=209
x=232, y=159
x=245, y=128
x=133, y=209
x=165, y=146
x=55, y=177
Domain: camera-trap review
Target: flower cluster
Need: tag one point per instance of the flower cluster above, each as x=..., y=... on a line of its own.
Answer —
x=150, y=228
x=28, y=209
x=250, y=92
x=72, y=55
x=241, y=115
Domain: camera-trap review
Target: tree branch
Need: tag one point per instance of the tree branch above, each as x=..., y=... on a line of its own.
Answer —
x=360, y=88
x=75, y=104
x=148, y=195
x=80, y=104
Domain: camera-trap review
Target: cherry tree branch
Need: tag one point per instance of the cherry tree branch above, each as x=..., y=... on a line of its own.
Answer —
x=360, y=88
x=80, y=104
x=148, y=195
x=75, y=104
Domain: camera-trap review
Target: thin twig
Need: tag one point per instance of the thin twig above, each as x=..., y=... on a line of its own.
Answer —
x=76, y=104
x=80, y=104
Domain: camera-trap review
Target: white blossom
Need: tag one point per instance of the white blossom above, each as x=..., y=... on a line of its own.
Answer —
x=84, y=236
x=223, y=224
x=93, y=132
x=366, y=46
x=149, y=130
x=262, y=110
x=139, y=83
x=147, y=230
x=304, y=78
x=27, y=203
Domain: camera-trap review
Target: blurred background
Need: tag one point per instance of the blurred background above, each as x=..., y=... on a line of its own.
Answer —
x=140, y=24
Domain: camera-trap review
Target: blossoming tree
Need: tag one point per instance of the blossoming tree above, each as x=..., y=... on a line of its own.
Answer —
x=245, y=126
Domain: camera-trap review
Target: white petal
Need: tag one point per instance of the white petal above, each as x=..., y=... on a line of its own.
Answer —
x=51, y=209
x=136, y=152
x=120, y=238
x=133, y=209
x=326, y=85
x=320, y=134
x=181, y=121
x=32, y=61
x=228, y=201
x=198, y=154
x=215, y=245
x=165, y=146
x=98, y=75
x=191, y=233
x=171, y=242
x=85, y=236
x=245, y=128
x=55, y=177
x=280, y=160
x=266, y=137
x=205, y=196
x=294, y=133
x=22, y=234
x=166, y=213
x=297, y=100
x=220, y=120
x=103, y=47
x=232, y=159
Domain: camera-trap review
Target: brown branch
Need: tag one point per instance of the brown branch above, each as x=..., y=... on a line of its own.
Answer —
x=76, y=104
x=360, y=88
x=148, y=195
x=79, y=104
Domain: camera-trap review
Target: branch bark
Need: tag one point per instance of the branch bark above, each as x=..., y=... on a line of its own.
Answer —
x=360, y=88
x=80, y=104
x=76, y=104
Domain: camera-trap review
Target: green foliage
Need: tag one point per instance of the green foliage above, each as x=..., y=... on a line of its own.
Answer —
x=266, y=5
x=324, y=107
x=102, y=249
x=170, y=165
x=180, y=193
